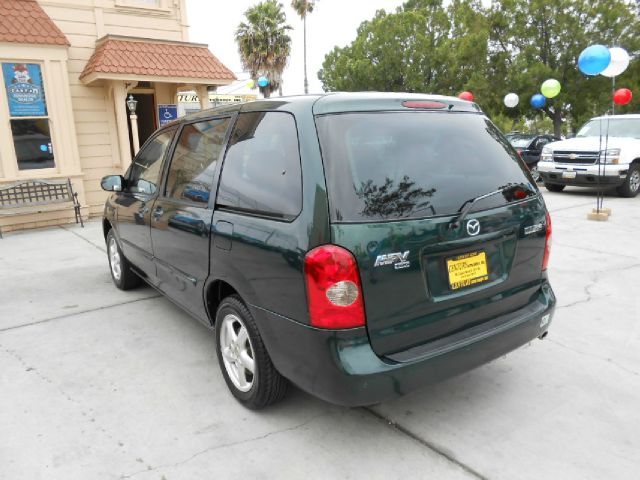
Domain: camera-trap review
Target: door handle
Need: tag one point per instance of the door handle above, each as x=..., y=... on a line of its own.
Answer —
x=157, y=213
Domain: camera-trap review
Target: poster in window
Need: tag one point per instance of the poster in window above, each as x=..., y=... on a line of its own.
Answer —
x=25, y=92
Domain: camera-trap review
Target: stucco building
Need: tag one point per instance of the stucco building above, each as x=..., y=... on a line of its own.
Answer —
x=68, y=67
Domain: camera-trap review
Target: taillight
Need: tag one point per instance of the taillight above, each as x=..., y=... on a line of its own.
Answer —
x=547, y=244
x=334, y=292
x=519, y=152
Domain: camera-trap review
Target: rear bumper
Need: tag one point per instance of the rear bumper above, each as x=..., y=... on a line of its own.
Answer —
x=586, y=175
x=341, y=367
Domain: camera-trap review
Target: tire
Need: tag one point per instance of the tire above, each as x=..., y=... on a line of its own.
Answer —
x=553, y=187
x=535, y=173
x=240, y=348
x=631, y=185
x=123, y=277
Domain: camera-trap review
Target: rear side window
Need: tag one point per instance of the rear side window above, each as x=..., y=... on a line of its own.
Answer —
x=194, y=160
x=261, y=172
x=396, y=165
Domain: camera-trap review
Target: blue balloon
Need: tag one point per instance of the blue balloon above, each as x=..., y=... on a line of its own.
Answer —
x=538, y=101
x=594, y=59
x=263, y=82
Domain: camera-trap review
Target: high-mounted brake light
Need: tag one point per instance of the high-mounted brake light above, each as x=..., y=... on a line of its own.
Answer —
x=423, y=104
x=334, y=292
x=547, y=244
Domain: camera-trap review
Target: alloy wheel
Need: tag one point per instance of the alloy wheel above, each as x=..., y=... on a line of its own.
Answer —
x=237, y=352
x=634, y=181
x=114, y=259
x=535, y=174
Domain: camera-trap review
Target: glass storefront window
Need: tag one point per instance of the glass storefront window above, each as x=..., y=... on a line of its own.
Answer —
x=32, y=141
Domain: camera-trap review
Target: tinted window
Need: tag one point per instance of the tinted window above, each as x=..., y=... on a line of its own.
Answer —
x=145, y=170
x=32, y=141
x=383, y=166
x=261, y=171
x=194, y=160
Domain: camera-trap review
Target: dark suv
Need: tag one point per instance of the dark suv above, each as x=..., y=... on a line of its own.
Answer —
x=529, y=147
x=357, y=245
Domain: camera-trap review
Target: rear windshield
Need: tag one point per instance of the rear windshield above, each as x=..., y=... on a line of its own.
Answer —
x=396, y=165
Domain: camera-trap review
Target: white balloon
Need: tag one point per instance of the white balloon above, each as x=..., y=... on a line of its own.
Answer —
x=511, y=100
x=619, y=62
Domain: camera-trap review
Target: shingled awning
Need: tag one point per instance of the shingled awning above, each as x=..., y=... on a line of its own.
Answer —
x=24, y=21
x=142, y=59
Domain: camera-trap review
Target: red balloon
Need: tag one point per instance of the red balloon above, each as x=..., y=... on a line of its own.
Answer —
x=468, y=96
x=622, y=96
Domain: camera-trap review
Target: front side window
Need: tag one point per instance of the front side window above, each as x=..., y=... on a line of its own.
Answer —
x=30, y=125
x=144, y=175
x=194, y=160
x=261, y=173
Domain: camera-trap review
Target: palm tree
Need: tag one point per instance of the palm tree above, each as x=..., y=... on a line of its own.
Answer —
x=263, y=43
x=303, y=8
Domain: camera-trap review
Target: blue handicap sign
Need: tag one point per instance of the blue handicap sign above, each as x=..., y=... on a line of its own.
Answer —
x=167, y=113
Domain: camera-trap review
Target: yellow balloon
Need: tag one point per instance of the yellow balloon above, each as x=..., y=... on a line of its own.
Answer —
x=251, y=84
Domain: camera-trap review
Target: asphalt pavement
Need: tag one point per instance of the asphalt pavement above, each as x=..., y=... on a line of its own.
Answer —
x=96, y=383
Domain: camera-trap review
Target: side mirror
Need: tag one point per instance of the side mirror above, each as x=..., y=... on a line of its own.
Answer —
x=112, y=183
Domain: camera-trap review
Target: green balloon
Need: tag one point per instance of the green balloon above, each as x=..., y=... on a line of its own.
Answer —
x=550, y=88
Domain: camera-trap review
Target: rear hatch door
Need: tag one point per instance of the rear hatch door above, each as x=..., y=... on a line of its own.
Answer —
x=397, y=182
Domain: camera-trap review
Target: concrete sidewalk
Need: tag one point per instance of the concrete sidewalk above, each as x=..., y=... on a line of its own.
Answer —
x=96, y=383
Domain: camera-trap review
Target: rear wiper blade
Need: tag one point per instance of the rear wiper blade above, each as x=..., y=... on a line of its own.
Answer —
x=468, y=205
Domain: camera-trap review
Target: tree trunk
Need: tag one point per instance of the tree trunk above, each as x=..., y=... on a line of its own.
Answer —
x=557, y=123
x=306, y=82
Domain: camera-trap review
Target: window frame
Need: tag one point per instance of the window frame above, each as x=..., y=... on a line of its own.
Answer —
x=127, y=177
x=216, y=173
x=261, y=214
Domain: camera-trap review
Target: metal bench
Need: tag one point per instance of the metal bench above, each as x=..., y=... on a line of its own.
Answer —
x=37, y=192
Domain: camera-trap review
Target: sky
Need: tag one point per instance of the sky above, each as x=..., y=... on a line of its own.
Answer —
x=332, y=23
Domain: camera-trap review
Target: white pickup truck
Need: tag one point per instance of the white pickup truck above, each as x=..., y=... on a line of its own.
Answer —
x=595, y=158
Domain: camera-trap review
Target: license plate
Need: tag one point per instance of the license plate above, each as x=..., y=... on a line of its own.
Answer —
x=468, y=269
x=568, y=174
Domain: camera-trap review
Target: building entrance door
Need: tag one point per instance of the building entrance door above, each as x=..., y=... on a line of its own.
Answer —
x=146, y=112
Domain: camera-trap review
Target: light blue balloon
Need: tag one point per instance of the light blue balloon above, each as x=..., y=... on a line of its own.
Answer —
x=594, y=59
x=263, y=82
x=538, y=101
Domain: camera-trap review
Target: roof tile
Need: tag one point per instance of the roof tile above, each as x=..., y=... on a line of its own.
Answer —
x=151, y=58
x=24, y=21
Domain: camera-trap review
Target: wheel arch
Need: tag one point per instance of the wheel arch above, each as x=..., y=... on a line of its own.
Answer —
x=106, y=226
x=215, y=292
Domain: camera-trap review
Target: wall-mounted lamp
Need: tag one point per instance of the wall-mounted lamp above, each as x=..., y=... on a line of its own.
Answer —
x=132, y=103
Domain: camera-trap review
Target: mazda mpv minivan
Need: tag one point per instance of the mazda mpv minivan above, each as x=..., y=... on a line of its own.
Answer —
x=358, y=246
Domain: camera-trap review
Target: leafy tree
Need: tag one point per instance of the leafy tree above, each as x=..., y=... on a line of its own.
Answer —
x=532, y=40
x=509, y=46
x=422, y=47
x=303, y=8
x=263, y=43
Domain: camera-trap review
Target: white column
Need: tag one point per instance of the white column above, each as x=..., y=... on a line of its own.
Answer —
x=203, y=96
x=134, y=133
x=119, y=99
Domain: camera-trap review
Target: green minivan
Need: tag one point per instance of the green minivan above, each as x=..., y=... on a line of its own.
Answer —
x=357, y=245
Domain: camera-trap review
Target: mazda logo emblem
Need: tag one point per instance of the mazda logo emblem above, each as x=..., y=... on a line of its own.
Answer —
x=473, y=227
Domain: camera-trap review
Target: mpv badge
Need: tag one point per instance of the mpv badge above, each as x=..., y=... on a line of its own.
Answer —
x=398, y=259
x=573, y=156
x=473, y=227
